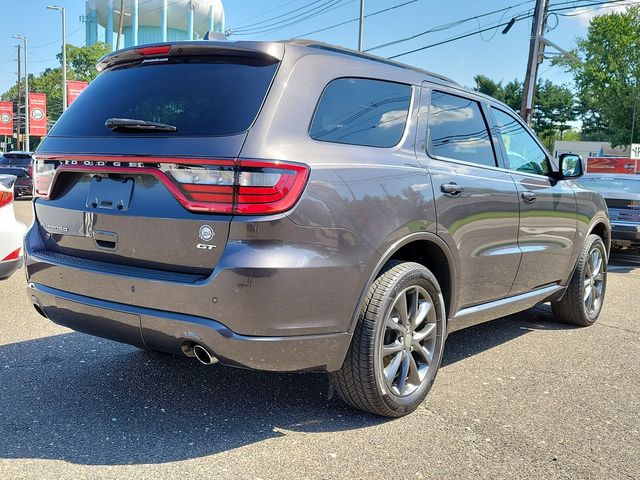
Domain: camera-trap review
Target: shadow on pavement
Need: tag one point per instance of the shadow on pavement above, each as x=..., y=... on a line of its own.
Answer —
x=90, y=401
x=471, y=341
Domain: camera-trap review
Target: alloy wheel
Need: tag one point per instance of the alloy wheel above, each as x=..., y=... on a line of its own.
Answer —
x=408, y=341
x=593, y=282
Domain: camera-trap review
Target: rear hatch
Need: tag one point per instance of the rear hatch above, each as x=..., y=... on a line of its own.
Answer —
x=131, y=193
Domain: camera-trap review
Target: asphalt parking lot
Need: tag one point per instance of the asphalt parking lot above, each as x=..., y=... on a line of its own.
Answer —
x=520, y=397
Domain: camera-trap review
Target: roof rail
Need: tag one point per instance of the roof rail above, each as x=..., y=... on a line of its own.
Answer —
x=368, y=56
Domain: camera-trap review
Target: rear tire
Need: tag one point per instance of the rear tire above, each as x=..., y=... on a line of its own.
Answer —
x=398, y=343
x=582, y=302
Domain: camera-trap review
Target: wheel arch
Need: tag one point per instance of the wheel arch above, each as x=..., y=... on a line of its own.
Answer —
x=602, y=228
x=429, y=250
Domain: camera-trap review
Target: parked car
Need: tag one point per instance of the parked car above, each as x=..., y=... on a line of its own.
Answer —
x=294, y=206
x=622, y=194
x=20, y=165
x=11, y=231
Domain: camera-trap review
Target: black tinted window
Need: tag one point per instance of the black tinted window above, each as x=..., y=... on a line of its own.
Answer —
x=20, y=161
x=198, y=97
x=457, y=130
x=523, y=153
x=362, y=112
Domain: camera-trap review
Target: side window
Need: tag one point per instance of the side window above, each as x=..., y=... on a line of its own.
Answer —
x=523, y=153
x=457, y=130
x=359, y=111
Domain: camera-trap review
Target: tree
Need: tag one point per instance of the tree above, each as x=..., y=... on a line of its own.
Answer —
x=81, y=61
x=81, y=65
x=608, y=77
x=554, y=106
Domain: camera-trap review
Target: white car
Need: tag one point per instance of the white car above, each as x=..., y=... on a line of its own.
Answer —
x=11, y=230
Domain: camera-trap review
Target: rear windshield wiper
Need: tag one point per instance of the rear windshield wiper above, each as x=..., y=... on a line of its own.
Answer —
x=115, y=124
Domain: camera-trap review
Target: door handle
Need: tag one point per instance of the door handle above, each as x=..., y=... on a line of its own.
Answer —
x=528, y=196
x=451, y=189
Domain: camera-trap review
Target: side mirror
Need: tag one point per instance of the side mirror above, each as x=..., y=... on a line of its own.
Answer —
x=571, y=166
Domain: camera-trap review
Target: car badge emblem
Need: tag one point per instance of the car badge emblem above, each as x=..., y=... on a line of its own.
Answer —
x=206, y=233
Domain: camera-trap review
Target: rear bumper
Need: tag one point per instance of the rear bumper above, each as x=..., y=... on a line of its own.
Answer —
x=176, y=333
x=625, y=234
x=9, y=266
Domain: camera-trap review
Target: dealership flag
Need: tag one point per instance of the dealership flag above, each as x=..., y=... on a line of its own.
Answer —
x=74, y=88
x=6, y=118
x=38, y=114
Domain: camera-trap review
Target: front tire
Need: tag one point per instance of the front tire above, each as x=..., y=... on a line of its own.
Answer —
x=398, y=343
x=582, y=302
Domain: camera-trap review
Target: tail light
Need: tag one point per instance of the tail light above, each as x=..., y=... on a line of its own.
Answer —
x=5, y=198
x=247, y=187
x=43, y=177
x=13, y=255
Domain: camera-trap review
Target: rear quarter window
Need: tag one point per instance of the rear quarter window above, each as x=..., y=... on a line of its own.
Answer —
x=360, y=111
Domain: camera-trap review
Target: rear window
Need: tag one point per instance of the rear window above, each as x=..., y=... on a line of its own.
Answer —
x=18, y=172
x=199, y=97
x=359, y=111
x=20, y=161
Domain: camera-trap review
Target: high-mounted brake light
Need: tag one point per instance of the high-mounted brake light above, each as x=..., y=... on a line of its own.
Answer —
x=159, y=50
x=5, y=198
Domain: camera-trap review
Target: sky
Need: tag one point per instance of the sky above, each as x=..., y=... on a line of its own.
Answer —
x=498, y=56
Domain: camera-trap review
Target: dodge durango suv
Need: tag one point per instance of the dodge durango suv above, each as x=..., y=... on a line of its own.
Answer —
x=294, y=206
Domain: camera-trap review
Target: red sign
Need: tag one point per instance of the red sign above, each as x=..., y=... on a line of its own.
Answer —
x=6, y=118
x=611, y=165
x=74, y=88
x=38, y=114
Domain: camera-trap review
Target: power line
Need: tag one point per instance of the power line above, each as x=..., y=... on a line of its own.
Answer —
x=449, y=25
x=325, y=7
x=521, y=16
x=445, y=26
x=279, y=17
x=356, y=19
x=265, y=12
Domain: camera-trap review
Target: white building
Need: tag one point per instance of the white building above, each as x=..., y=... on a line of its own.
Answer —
x=589, y=149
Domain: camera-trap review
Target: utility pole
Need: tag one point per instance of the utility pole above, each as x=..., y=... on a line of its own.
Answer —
x=536, y=49
x=120, y=23
x=361, y=29
x=64, y=54
x=19, y=100
x=26, y=90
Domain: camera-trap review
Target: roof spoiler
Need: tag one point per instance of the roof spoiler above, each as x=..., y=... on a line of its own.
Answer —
x=271, y=50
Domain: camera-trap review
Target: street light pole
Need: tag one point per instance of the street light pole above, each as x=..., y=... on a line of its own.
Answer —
x=64, y=54
x=26, y=90
x=18, y=122
x=361, y=29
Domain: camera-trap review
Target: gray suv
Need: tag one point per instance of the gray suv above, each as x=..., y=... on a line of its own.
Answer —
x=294, y=206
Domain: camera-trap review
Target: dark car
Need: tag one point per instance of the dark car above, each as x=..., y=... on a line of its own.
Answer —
x=622, y=194
x=294, y=206
x=20, y=165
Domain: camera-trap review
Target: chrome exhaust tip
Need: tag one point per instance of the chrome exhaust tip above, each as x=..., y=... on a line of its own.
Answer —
x=203, y=355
